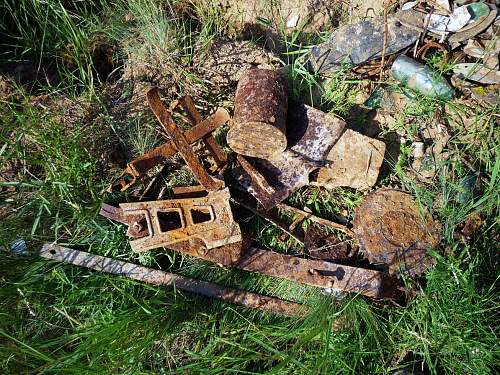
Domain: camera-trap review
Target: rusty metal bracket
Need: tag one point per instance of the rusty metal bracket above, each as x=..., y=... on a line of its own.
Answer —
x=163, y=115
x=201, y=130
x=163, y=223
x=162, y=278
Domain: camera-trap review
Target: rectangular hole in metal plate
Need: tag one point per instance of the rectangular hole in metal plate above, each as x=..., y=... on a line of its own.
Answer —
x=169, y=220
x=200, y=215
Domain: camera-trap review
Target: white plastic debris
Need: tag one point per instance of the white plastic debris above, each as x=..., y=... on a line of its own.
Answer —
x=442, y=24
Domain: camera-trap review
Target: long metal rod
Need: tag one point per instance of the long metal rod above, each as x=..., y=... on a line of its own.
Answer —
x=157, y=277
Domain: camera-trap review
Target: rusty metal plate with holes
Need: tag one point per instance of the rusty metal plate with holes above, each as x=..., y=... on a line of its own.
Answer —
x=316, y=273
x=163, y=115
x=163, y=223
x=311, y=134
x=162, y=278
x=355, y=162
x=391, y=230
x=201, y=130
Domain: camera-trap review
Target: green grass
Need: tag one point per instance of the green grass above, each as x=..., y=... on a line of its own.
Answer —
x=57, y=318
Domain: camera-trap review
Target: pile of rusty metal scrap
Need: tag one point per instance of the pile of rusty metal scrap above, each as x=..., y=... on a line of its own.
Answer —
x=277, y=147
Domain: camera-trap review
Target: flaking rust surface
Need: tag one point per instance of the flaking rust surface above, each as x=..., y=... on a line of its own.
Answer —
x=391, y=230
x=260, y=109
x=311, y=133
x=355, y=162
x=312, y=272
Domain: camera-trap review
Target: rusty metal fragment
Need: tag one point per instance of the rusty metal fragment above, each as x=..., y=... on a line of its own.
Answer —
x=163, y=223
x=260, y=109
x=311, y=134
x=391, y=230
x=180, y=142
x=355, y=162
x=312, y=272
x=140, y=166
x=162, y=278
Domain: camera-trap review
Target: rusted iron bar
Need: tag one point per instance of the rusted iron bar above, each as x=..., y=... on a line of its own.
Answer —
x=260, y=107
x=162, y=278
x=316, y=219
x=140, y=166
x=163, y=115
x=312, y=272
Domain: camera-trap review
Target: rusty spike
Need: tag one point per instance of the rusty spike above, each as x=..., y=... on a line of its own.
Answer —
x=157, y=277
x=180, y=142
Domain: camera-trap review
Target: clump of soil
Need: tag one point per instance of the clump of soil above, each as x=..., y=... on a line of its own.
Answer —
x=224, y=63
x=6, y=89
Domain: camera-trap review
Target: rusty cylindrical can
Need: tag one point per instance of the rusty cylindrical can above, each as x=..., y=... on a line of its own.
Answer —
x=420, y=78
x=260, y=108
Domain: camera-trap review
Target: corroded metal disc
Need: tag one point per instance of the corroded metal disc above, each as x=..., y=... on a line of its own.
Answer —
x=392, y=230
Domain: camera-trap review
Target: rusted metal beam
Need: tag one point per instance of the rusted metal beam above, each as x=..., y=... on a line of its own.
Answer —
x=316, y=273
x=140, y=166
x=163, y=115
x=311, y=272
x=162, y=278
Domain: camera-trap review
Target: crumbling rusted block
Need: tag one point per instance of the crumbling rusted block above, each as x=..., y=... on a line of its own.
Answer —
x=163, y=223
x=201, y=130
x=180, y=142
x=355, y=162
x=260, y=109
x=157, y=277
x=311, y=134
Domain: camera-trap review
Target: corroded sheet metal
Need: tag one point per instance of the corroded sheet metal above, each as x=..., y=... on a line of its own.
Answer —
x=162, y=223
x=311, y=134
x=162, y=278
x=180, y=142
x=391, y=230
x=316, y=273
x=140, y=166
x=260, y=109
x=355, y=162
x=358, y=43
